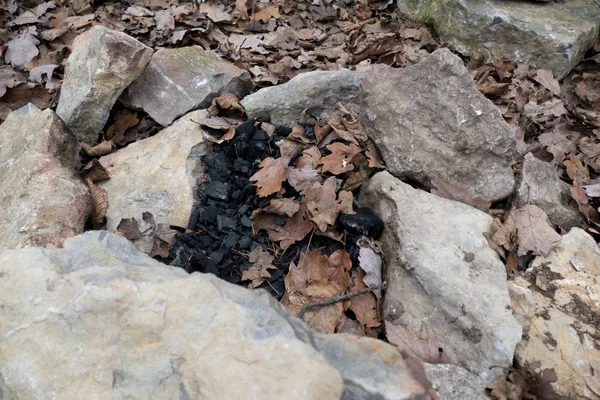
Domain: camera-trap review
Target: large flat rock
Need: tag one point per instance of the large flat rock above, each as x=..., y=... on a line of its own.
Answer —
x=306, y=98
x=42, y=198
x=179, y=80
x=98, y=319
x=159, y=174
x=102, y=64
x=552, y=35
x=441, y=270
x=558, y=304
x=430, y=122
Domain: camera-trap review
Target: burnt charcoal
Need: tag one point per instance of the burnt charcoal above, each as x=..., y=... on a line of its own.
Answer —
x=260, y=135
x=208, y=214
x=240, y=164
x=224, y=222
x=217, y=256
x=283, y=131
x=231, y=240
x=252, y=153
x=205, y=241
x=309, y=132
x=246, y=221
x=194, y=217
x=245, y=242
x=218, y=190
x=364, y=222
x=324, y=152
x=243, y=210
x=244, y=132
x=219, y=166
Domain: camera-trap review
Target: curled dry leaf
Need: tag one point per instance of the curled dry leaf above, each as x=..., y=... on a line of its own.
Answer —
x=284, y=206
x=94, y=171
x=375, y=160
x=227, y=102
x=534, y=233
x=101, y=149
x=309, y=157
x=323, y=207
x=348, y=126
x=458, y=192
x=364, y=306
x=124, y=120
x=99, y=203
x=424, y=346
x=340, y=159
x=129, y=228
x=259, y=272
x=303, y=178
x=371, y=262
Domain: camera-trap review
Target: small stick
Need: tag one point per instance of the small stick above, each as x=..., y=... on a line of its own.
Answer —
x=336, y=299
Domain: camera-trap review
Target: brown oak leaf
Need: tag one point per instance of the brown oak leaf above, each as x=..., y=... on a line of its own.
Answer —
x=259, y=272
x=340, y=159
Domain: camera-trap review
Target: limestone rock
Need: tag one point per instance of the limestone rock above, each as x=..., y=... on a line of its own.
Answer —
x=452, y=382
x=559, y=308
x=102, y=64
x=307, y=96
x=552, y=36
x=121, y=325
x=42, y=198
x=539, y=184
x=440, y=269
x=159, y=174
x=435, y=124
x=179, y=80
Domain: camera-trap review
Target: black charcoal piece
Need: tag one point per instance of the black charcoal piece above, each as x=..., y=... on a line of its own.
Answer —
x=244, y=131
x=309, y=132
x=219, y=166
x=224, y=222
x=205, y=241
x=208, y=214
x=245, y=242
x=194, y=218
x=364, y=222
x=231, y=240
x=240, y=163
x=218, y=190
x=217, y=256
x=260, y=135
x=243, y=209
x=245, y=221
x=283, y=131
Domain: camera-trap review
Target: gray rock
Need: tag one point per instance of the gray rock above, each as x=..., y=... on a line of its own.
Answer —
x=179, y=80
x=42, y=198
x=440, y=269
x=307, y=96
x=98, y=319
x=452, y=382
x=539, y=184
x=552, y=36
x=435, y=124
x=102, y=64
x=159, y=174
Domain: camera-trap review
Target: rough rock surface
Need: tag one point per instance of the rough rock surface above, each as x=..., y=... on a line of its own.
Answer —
x=306, y=98
x=102, y=64
x=159, y=174
x=42, y=198
x=179, y=80
x=539, y=184
x=559, y=308
x=552, y=36
x=121, y=325
x=440, y=269
x=437, y=125
x=452, y=382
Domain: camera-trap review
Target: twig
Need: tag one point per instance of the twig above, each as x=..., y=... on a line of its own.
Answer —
x=336, y=299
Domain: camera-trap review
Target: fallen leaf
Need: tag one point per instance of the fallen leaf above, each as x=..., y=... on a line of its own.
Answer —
x=310, y=157
x=296, y=228
x=101, y=149
x=302, y=179
x=267, y=13
x=371, y=262
x=99, y=203
x=557, y=143
x=124, y=119
x=226, y=102
x=423, y=346
x=94, y=171
x=534, y=233
x=458, y=192
x=593, y=190
x=576, y=170
x=259, y=272
x=129, y=228
x=546, y=78
x=9, y=78
x=37, y=75
x=270, y=177
x=284, y=206
x=323, y=207
x=340, y=159
x=364, y=306
x=21, y=50
x=216, y=12
x=502, y=389
x=241, y=9
x=372, y=154
x=348, y=126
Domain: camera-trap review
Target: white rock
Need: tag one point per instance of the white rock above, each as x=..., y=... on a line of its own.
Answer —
x=452, y=382
x=100, y=320
x=440, y=268
x=159, y=174
x=558, y=303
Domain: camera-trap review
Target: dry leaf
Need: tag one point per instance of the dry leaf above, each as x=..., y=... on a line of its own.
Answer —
x=99, y=203
x=124, y=119
x=309, y=157
x=284, y=206
x=458, y=192
x=323, y=208
x=267, y=13
x=371, y=262
x=94, y=171
x=21, y=50
x=348, y=126
x=259, y=272
x=340, y=159
x=296, y=228
x=364, y=306
x=101, y=149
x=372, y=154
x=129, y=228
x=546, y=78
x=270, y=177
x=423, y=346
x=302, y=179
x=534, y=232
